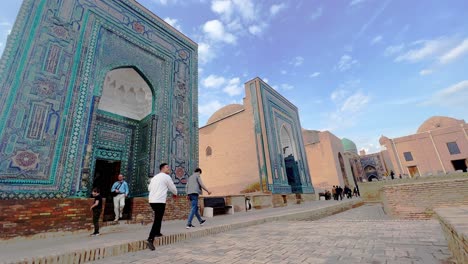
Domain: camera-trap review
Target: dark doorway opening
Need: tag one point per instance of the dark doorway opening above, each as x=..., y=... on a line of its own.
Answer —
x=292, y=172
x=459, y=165
x=373, y=178
x=106, y=173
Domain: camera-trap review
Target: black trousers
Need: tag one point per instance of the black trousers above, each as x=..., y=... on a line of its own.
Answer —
x=96, y=215
x=158, y=209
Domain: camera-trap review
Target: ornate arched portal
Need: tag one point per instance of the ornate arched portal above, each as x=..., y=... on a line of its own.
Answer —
x=123, y=131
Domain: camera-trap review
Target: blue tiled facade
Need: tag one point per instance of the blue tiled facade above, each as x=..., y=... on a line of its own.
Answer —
x=51, y=79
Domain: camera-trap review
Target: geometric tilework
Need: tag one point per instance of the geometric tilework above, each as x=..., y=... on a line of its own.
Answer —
x=279, y=115
x=51, y=77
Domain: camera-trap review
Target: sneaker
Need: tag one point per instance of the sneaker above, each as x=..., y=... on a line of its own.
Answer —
x=95, y=234
x=202, y=222
x=150, y=245
x=116, y=220
x=189, y=226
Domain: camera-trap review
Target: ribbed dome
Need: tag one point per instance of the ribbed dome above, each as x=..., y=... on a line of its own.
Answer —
x=225, y=111
x=436, y=122
x=349, y=145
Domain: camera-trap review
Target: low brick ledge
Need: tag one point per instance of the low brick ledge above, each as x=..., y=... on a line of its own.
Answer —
x=87, y=255
x=454, y=222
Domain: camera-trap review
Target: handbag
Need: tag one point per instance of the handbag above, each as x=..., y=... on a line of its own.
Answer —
x=114, y=193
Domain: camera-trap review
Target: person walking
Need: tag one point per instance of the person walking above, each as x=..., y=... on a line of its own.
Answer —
x=193, y=189
x=158, y=187
x=120, y=191
x=97, y=209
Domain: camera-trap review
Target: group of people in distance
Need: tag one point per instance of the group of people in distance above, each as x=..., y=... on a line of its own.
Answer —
x=339, y=193
x=158, y=187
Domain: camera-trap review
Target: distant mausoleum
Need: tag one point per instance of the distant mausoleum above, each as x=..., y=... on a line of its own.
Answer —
x=440, y=146
x=256, y=146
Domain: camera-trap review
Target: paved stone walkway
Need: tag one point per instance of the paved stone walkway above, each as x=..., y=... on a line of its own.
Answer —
x=123, y=238
x=361, y=235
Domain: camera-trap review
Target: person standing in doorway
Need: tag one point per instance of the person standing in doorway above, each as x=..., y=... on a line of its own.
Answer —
x=158, y=187
x=193, y=189
x=120, y=191
x=392, y=174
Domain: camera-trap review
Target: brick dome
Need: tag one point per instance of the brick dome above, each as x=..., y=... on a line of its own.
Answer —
x=224, y=112
x=436, y=122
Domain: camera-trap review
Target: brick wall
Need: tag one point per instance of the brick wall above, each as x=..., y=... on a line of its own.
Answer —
x=372, y=191
x=453, y=221
x=418, y=200
x=33, y=217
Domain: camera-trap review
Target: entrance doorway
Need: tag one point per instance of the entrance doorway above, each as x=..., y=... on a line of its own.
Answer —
x=105, y=174
x=459, y=165
x=292, y=171
x=413, y=171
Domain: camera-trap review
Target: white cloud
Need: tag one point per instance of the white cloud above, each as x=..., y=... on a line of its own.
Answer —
x=284, y=72
x=286, y=86
x=392, y=50
x=338, y=95
x=355, y=102
x=207, y=109
x=356, y=2
x=224, y=8
x=5, y=24
x=316, y=14
x=165, y=2
x=346, y=62
x=426, y=49
x=297, y=61
x=460, y=50
x=315, y=74
x=213, y=81
x=205, y=53
x=425, y=72
x=265, y=80
x=376, y=40
x=246, y=8
x=452, y=96
x=348, y=109
x=275, y=9
x=255, y=29
x=173, y=22
x=214, y=30
x=233, y=87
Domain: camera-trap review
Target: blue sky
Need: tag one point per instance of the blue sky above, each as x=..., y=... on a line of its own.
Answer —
x=359, y=68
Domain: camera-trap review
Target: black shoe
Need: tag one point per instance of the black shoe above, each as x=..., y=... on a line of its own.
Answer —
x=202, y=222
x=189, y=226
x=159, y=235
x=150, y=245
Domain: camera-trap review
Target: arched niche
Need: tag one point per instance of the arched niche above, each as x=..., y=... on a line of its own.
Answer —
x=126, y=93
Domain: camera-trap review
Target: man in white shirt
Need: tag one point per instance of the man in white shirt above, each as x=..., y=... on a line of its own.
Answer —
x=158, y=187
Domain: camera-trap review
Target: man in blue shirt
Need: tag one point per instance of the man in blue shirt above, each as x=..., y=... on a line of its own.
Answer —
x=120, y=192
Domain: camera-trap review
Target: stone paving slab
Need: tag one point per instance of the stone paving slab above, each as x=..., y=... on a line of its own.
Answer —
x=125, y=238
x=454, y=223
x=336, y=239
